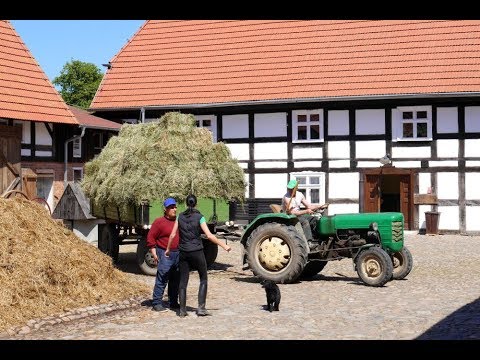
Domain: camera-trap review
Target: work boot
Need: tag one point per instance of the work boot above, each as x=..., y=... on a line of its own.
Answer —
x=182, y=296
x=202, y=298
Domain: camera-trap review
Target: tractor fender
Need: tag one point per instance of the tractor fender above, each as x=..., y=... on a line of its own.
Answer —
x=264, y=218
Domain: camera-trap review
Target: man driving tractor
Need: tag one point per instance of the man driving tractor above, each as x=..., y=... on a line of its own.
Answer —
x=291, y=203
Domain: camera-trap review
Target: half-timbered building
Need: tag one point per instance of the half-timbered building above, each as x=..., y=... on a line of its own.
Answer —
x=369, y=116
x=43, y=142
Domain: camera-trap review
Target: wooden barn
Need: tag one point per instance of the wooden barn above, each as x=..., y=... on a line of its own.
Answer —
x=368, y=115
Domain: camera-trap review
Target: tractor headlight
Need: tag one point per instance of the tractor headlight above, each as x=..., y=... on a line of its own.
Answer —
x=374, y=226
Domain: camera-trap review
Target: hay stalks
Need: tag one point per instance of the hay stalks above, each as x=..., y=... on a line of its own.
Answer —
x=167, y=157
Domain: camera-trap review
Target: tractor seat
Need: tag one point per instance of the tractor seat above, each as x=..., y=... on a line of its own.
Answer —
x=276, y=208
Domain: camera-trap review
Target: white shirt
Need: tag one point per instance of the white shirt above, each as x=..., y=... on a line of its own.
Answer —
x=295, y=203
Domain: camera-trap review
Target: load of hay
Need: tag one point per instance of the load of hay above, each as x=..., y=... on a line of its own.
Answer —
x=167, y=157
x=46, y=270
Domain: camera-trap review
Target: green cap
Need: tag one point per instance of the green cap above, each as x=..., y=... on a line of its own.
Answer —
x=291, y=184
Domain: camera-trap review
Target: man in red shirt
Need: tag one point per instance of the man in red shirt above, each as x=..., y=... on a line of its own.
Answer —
x=167, y=267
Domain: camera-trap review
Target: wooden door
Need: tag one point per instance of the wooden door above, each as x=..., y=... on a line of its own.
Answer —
x=10, y=157
x=372, y=191
x=406, y=200
x=371, y=194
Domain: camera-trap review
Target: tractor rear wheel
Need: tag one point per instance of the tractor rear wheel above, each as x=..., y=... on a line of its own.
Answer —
x=277, y=252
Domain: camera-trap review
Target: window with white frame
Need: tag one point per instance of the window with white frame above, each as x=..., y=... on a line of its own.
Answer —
x=307, y=125
x=312, y=186
x=77, y=148
x=412, y=123
x=209, y=122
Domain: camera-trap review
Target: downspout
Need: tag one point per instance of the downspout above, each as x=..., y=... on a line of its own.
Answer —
x=66, y=155
x=142, y=115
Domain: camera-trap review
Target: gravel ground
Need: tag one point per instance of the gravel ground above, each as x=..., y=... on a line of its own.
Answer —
x=439, y=299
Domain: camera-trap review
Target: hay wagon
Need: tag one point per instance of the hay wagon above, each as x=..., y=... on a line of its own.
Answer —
x=130, y=226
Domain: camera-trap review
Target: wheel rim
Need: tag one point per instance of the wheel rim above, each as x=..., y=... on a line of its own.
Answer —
x=149, y=260
x=397, y=261
x=273, y=253
x=372, y=267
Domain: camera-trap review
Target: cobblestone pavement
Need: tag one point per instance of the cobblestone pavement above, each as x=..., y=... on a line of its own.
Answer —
x=439, y=299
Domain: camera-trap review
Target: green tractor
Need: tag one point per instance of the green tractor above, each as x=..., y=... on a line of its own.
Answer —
x=275, y=247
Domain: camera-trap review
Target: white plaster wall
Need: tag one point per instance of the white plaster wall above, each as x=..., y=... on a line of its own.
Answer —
x=447, y=183
x=339, y=149
x=269, y=125
x=472, y=163
x=443, y=163
x=270, y=185
x=472, y=216
x=447, y=148
x=423, y=183
x=370, y=121
x=447, y=120
x=270, y=164
x=472, y=188
x=303, y=153
x=338, y=122
x=411, y=152
x=235, y=126
x=26, y=152
x=472, y=118
x=239, y=151
x=334, y=209
x=42, y=137
x=243, y=165
x=303, y=164
x=26, y=136
x=448, y=218
x=270, y=151
x=339, y=164
x=472, y=147
x=407, y=164
x=367, y=164
x=247, y=188
x=43, y=153
x=343, y=185
x=370, y=149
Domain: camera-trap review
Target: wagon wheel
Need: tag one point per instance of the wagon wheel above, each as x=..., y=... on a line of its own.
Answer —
x=11, y=193
x=44, y=203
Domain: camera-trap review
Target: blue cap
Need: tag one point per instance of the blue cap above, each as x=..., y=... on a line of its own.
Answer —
x=168, y=202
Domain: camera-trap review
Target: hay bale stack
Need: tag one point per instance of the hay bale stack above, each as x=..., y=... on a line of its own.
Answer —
x=167, y=157
x=46, y=270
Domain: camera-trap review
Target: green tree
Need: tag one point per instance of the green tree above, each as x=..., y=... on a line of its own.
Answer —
x=78, y=82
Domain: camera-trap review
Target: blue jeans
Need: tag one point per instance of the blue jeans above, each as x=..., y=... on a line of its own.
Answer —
x=167, y=273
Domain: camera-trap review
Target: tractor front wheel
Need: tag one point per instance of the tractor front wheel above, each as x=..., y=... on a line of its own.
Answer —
x=402, y=263
x=374, y=266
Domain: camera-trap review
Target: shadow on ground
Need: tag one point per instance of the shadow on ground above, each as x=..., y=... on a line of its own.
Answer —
x=463, y=324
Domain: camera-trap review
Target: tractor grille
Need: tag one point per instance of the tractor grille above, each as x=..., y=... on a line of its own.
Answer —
x=397, y=231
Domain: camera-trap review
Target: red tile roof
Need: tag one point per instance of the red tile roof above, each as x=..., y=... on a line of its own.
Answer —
x=25, y=91
x=84, y=118
x=168, y=63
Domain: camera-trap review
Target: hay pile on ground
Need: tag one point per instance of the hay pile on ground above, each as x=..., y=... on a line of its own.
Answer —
x=168, y=157
x=46, y=270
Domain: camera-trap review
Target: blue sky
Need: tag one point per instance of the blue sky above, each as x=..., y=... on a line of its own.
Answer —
x=53, y=43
